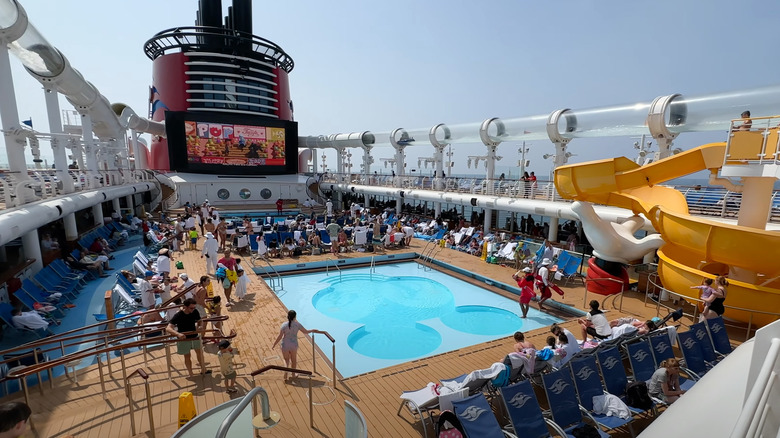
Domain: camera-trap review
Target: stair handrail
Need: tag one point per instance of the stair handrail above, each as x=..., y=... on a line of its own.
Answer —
x=22, y=373
x=266, y=414
x=64, y=335
x=314, y=353
x=142, y=374
x=231, y=418
x=272, y=273
x=335, y=263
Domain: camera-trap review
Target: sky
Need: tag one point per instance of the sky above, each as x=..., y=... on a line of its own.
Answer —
x=377, y=66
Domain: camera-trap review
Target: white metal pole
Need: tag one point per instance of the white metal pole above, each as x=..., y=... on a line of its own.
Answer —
x=9, y=117
x=58, y=141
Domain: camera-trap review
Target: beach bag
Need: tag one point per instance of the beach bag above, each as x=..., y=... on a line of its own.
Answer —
x=221, y=273
x=226, y=283
x=449, y=426
x=637, y=395
x=179, y=265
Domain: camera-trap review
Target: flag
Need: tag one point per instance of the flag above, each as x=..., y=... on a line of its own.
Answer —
x=28, y=122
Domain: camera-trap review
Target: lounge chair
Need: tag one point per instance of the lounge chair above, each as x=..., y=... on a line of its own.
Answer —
x=720, y=338
x=615, y=378
x=6, y=315
x=564, y=408
x=588, y=382
x=705, y=342
x=476, y=417
x=640, y=356
x=525, y=415
x=690, y=347
x=427, y=401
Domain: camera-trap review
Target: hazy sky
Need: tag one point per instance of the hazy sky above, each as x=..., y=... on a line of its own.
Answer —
x=378, y=66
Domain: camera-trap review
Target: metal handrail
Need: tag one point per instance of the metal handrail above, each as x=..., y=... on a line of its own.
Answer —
x=314, y=353
x=654, y=275
x=327, y=265
x=141, y=373
x=22, y=373
x=266, y=414
x=271, y=276
x=372, y=268
x=615, y=280
x=231, y=418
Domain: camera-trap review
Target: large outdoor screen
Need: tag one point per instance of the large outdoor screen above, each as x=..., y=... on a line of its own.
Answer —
x=224, y=144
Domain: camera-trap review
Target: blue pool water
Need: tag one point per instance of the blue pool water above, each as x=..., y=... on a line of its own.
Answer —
x=400, y=313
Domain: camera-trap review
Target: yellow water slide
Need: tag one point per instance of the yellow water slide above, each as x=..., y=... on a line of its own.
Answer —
x=694, y=247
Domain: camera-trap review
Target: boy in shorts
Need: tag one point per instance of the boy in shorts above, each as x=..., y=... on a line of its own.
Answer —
x=193, y=239
x=225, y=356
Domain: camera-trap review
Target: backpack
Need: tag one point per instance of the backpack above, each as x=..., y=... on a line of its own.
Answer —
x=585, y=431
x=637, y=395
x=502, y=379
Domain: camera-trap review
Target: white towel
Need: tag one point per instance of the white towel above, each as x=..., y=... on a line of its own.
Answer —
x=611, y=406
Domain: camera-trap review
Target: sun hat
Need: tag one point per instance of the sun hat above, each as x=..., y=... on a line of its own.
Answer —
x=148, y=274
x=209, y=235
x=184, y=276
x=163, y=251
x=545, y=262
x=527, y=269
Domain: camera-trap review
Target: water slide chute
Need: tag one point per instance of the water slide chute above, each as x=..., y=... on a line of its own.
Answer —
x=693, y=247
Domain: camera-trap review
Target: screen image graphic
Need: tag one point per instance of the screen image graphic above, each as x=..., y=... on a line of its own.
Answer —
x=234, y=144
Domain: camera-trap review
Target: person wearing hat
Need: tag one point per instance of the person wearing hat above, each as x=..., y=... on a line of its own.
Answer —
x=164, y=263
x=525, y=282
x=543, y=281
x=186, y=282
x=210, y=248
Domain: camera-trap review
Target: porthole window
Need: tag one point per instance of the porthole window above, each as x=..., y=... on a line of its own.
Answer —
x=244, y=193
x=265, y=193
x=223, y=194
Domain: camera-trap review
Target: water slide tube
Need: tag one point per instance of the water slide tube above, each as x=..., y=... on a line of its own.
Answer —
x=693, y=247
x=52, y=69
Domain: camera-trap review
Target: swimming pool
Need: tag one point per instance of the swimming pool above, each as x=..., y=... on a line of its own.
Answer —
x=400, y=313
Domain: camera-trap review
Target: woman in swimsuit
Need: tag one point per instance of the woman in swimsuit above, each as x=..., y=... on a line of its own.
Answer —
x=289, y=337
x=713, y=305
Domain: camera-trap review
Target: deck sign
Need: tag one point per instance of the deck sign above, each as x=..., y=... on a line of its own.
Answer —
x=187, y=409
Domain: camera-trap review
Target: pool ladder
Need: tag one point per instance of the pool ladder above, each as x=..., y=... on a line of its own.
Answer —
x=275, y=277
x=427, y=255
x=327, y=267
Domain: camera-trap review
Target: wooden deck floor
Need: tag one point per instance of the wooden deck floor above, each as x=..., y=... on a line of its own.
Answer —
x=82, y=410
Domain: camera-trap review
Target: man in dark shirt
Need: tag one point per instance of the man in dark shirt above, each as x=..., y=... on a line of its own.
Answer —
x=188, y=320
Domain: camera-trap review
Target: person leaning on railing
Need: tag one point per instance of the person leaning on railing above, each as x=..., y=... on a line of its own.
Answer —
x=188, y=320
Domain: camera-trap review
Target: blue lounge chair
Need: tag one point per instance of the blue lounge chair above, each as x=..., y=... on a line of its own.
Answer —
x=476, y=417
x=588, y=382
x=640, y=356
x=37, y=295
x=562, y=399
x=690, y=347
x=705, y=342
x=719, y=335
x=525, y=415
x=65, y=271
x=6, y=315
x=662, y=348
x=615, y=378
